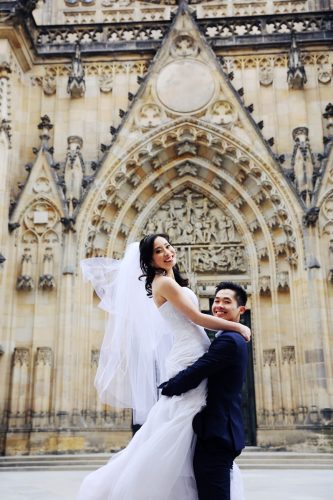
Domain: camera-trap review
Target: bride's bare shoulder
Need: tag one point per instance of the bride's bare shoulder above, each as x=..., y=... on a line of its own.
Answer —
x=162, y=282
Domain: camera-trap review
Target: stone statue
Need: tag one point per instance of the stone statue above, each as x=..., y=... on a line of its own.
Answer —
x=25, y=281
x=76, y=86
x=296, y=75
x=47, y=281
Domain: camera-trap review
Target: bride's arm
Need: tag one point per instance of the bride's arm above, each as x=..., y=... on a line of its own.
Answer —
x=173, y=292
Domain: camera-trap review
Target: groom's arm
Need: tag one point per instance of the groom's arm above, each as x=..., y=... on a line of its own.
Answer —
x=220, y=354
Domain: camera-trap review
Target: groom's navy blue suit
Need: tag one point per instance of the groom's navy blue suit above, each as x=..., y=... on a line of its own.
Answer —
x=219, y=426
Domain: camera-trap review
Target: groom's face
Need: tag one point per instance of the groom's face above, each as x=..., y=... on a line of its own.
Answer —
x=225, y=306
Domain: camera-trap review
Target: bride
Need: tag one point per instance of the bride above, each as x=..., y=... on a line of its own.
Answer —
x=155, y=330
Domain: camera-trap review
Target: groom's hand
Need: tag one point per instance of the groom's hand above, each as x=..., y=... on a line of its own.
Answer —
x=165, y=389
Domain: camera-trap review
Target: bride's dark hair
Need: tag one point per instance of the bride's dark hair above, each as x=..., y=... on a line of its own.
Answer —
x=146, y=257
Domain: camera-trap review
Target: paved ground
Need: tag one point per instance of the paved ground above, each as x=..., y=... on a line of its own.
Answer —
x=259, y=485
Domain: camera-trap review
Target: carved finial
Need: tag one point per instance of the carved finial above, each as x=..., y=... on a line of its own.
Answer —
x=76, y=86
x=45, y=126
x=302, y=163
x=296, y=76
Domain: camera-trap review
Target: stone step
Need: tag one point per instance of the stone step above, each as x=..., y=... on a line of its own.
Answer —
x=250, y=459
x=91, y=467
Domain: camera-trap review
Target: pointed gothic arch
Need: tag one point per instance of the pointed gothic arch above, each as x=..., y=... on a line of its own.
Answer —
x=190, y=148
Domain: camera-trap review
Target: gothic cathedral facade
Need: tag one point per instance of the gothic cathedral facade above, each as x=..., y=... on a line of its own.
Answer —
x=211, y=121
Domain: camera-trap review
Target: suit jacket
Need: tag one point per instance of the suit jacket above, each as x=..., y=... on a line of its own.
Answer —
x=224, y=364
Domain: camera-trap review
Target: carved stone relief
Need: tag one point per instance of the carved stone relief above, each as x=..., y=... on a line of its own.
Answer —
x=106, y=83
x=49, y=86
x=266, y=76
x=205, y=237
x=288, y=354
x=269, y=357
x=39, y=223
x=325, y=73
x=44, y=356
x=42, y=185
x=40, y=217
x=265, y=285
x=184, y=45
x=222, y=113
x=21, y=356
x=150, y=115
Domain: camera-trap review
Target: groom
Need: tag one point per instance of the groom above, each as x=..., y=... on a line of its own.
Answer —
x=219, y=425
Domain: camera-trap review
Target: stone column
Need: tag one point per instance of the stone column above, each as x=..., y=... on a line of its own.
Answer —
x=95, y=405
x=288, y=380
x=42, y=386
x=67, y=347
x=19, y=396
x=269, y=361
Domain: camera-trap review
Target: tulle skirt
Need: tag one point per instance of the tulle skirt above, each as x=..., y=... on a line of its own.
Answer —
x=157, y=463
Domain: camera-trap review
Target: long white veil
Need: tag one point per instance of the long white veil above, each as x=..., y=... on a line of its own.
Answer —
x=137, y=340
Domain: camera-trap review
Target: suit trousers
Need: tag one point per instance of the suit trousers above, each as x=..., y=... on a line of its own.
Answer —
x=212, y=464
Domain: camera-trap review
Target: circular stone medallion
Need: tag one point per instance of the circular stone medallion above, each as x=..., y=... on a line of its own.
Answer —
x=185, y=86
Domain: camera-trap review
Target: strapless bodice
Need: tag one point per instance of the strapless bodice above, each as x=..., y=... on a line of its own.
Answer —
x=190, y=340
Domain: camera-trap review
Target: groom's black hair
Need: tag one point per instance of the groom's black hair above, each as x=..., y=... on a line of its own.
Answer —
x=240, y=293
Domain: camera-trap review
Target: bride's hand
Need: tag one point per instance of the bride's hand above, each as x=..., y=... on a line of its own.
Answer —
x=245, y=332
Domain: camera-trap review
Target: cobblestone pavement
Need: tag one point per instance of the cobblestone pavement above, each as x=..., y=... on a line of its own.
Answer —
x=259, y=485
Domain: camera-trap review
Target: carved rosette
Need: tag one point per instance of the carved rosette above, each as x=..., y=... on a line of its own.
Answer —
x=150, y=115
x=222, y=113
x=184, y=45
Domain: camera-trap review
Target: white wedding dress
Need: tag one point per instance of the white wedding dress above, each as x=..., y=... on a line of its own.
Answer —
x=157, y=463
